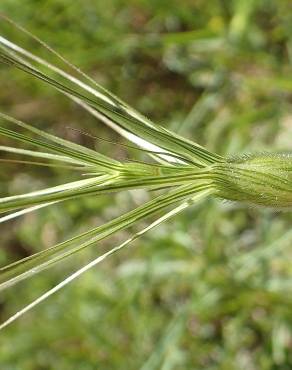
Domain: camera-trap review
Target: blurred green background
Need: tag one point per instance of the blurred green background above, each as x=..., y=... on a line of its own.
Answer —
x=212, y=288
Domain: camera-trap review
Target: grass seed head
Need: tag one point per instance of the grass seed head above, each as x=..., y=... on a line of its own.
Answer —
x=260, y=179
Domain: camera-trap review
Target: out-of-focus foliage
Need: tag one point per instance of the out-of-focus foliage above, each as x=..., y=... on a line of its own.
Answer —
x=212, y=288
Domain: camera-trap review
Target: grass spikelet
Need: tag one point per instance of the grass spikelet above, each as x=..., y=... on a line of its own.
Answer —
x=185, y=170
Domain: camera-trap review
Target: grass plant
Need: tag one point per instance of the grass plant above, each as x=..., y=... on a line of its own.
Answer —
x=192, y=170
x=214, y=287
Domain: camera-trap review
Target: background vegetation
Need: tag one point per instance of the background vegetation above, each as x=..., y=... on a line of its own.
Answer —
x=212, y=288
